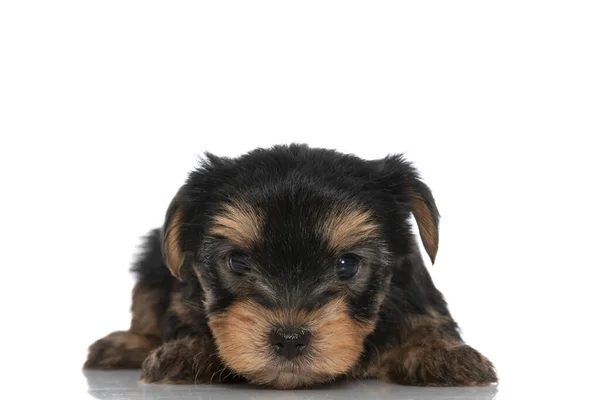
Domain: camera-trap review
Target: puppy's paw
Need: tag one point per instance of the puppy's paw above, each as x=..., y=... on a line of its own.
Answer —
x=458, y=365
x=183, y=361
x=120, y=350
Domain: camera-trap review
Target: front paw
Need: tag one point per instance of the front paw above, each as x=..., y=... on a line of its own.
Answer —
x=173, y=362
x=458, y=365
x=120, y=349
x=185, y=361
x=435, y=363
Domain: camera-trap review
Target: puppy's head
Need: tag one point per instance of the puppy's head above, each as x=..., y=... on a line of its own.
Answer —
x=294, y=250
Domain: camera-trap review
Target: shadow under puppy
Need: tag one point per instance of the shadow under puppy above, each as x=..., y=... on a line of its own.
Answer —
x=292, y=266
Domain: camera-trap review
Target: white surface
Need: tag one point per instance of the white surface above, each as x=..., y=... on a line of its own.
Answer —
x=104, y=106
x=110, y=385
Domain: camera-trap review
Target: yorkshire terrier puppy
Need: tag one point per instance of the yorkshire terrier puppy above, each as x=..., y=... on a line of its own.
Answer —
x=293, y=266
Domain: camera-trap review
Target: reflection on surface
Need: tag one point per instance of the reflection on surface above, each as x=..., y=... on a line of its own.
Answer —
x=125, y=385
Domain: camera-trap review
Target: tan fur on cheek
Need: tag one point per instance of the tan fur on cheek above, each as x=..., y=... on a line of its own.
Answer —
x=241, y=334
x=338, y=337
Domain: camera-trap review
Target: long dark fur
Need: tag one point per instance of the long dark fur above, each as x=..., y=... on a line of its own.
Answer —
x=288, y=209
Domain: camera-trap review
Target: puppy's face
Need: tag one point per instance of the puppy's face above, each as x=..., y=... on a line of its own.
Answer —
x=293, y=286
x=293, y=276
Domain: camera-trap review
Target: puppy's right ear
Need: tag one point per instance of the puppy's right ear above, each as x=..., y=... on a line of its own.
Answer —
x=172, y=243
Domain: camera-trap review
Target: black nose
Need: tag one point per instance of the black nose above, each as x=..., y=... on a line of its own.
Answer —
x=289, y=342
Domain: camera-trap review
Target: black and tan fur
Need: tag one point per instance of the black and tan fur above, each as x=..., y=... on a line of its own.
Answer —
x=293, y=213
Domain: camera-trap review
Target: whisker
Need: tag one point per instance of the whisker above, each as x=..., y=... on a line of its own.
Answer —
x=196, y=366
x=217, y=372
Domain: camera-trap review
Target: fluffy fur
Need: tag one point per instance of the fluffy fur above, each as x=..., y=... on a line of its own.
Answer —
x=290, y=213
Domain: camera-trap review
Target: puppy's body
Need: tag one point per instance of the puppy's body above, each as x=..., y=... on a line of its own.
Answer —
x=289, y=267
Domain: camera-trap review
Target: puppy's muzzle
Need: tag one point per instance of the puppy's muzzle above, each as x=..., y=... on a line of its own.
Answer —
x=290, y=342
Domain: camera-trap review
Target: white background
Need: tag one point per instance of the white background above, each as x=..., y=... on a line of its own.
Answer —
x=104, y=107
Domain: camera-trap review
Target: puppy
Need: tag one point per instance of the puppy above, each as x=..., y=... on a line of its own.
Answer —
x=289, y=267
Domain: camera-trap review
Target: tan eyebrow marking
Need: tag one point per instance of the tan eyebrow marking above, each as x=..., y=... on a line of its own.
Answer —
x=239, y=222
x=347, y=226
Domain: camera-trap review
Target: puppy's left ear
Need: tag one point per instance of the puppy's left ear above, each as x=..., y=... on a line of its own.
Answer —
x=187, y=204
x=172, y=244
x=403, y=180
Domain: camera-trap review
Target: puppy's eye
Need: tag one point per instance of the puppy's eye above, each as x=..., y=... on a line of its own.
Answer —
x=238, y=263
x=347, y=266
